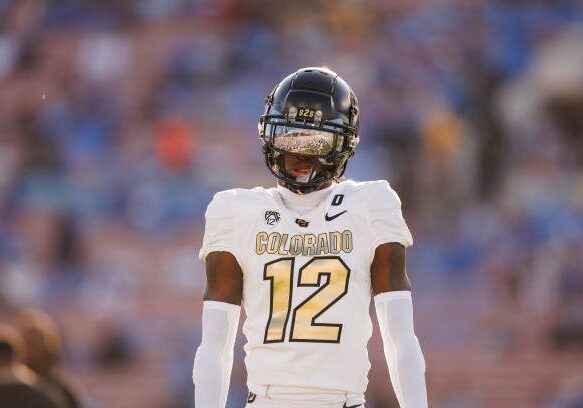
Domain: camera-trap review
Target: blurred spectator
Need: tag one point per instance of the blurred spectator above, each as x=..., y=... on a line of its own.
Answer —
x=43, y=345
x=41, y=155
x=567, y=331
x=174, y=144
x=65, y=260
x=559, y=84
x=569, y=395
x=103, y=59
x=115, y=347
x=18, y=385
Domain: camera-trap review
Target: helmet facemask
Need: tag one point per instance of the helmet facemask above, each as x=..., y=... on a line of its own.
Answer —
x=303, y=156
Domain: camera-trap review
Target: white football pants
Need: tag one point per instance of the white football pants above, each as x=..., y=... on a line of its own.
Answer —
x=258, y=401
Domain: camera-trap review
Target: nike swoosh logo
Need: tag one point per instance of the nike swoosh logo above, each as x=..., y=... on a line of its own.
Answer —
x=352, y=406
x=330, y=218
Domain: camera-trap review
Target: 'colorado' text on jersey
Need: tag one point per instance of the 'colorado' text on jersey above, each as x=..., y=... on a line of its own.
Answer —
x=307, y=287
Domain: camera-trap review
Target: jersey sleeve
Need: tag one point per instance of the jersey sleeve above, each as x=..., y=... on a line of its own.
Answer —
x=219, y=232
x=385, y=216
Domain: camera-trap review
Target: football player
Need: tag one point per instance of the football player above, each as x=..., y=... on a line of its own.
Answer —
x=304, y=259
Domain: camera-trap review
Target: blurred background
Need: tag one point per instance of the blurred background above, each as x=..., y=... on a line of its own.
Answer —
x=120, y=118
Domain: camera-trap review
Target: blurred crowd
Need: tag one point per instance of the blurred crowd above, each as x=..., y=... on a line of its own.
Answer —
x=120, y=118
x=31, y=375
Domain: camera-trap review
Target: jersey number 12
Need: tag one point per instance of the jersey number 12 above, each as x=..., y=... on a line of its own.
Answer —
x=280, y=274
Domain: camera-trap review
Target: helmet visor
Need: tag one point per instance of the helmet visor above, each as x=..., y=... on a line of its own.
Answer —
x=309, y=142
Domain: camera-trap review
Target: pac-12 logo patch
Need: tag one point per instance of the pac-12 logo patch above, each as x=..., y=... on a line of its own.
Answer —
x=271, y=217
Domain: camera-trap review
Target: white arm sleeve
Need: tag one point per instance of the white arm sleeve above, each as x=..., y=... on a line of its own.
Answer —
x=214, y=357
x=402, y=351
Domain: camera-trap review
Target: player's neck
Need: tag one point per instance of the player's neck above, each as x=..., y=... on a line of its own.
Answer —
x=302, y=203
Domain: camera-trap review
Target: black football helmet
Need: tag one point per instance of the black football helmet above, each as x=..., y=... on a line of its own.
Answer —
x=313, y=115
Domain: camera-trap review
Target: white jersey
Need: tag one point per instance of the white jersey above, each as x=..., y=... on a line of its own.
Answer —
x=307, y=286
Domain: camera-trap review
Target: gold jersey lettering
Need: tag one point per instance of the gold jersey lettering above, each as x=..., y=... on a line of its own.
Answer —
x=335, y=242
x=322, y=247
x=347, y=241
x=331, y=243
x=261, y=243
x=296, y=245
x=273, y=243
x=309, y=245
x=282, y=250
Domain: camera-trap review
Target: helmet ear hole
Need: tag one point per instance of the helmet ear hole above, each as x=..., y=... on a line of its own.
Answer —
x=319, y=100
